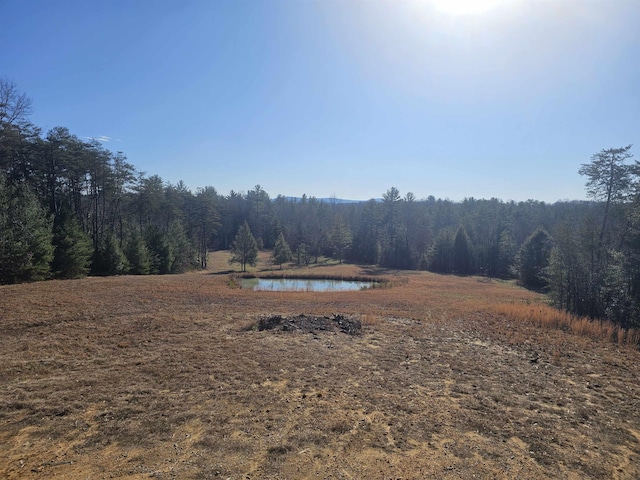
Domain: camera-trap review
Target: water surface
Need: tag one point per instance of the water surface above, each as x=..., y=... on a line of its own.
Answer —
x=302, y=285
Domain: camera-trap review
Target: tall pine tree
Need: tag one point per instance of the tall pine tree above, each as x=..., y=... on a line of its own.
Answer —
x=281, y=251
x=73, y=247
x=244, y=249
x=26, y=249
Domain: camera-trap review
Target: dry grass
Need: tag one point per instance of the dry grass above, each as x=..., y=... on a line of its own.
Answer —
x=545, y=316
x=164, y=377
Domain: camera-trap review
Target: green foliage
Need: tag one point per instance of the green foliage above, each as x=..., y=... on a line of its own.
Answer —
x=302, y=254
x=631, y=267
x=244, y=249
x=204, y=221
x=593, y=267
x=87, y=192
x=159, y=250
x=340, y=237
x=451, y=253
x=108, y=258
x=260, y=216
x=182, y=251
x=504, y=256
x=366, y=246
x=73, y=248
x=26, y=249
x=617, y=291
x=609, y=178
x=571, y=286
x=392, y=250
x=439, y=257
x=137, y=253
x=497, y=254
x=532, y=261
x=462, y=253
x=281, y=251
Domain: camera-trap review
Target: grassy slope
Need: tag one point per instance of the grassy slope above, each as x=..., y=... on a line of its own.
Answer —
x=130, y=377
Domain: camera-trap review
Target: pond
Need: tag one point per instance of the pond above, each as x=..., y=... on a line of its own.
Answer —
x=302, y=285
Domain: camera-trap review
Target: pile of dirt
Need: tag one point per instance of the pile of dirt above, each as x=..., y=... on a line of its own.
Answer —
x=310, y=323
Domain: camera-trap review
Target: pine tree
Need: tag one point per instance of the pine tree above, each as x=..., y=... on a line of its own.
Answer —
x=462, y=253
x=244, y=249
x=26, y=249
x=340, y=238
x=439, y=257
x=72, y=258
x=108, y=258
x=610, y=181
x=138, y=256
x=183, y=258
x=302, y=254
x=506, y=254
x=281, y=251
x=532, y=261
x=159, y=250
x=366, y=243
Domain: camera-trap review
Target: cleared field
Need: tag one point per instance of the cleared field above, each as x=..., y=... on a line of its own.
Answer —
x=165, y=377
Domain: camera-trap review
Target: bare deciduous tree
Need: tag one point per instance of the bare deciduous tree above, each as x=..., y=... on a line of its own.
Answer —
x=15, y=107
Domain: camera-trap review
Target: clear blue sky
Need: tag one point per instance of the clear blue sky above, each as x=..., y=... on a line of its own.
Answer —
x=344, y=98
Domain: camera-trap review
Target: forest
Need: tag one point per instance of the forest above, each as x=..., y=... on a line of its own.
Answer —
x=70, y=207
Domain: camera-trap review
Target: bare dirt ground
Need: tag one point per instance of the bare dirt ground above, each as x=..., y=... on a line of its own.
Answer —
x=170, y=377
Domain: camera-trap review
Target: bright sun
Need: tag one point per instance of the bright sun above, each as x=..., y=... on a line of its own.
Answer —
x=465, y=7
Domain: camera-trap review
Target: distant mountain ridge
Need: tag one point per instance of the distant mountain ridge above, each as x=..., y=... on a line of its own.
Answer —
x=329, y=200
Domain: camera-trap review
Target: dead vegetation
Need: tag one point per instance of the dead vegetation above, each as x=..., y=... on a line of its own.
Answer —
x=310, y=324
x=171, y=377
x=545, y=316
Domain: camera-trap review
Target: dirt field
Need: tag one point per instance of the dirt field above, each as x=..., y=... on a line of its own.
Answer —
x=170, y=377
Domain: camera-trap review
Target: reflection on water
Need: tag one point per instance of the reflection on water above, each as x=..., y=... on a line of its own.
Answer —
x=302, y=285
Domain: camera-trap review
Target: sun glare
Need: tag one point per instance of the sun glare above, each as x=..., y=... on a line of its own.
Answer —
x=465, y=7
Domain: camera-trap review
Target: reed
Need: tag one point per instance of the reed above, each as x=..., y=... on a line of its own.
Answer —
x=548, y=317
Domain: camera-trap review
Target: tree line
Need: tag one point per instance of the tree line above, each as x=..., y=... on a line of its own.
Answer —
x=70, y=207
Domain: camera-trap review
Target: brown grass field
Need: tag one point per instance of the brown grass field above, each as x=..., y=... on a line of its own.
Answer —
x=165, y=377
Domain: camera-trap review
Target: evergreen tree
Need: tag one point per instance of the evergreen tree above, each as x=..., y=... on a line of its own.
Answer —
x=631, y=269
x=244, y=249
x=568, y=272
x=73, y=249
x=610, y=181
x=159, y=250
x=439, y=257
x=619, y=305
x=281, y=251
x=366, y=242
x=496, y=255
x=108, y=258
x=505, y=256
x=462, y=253
x=532, y=261
x=137, y=253
x=390, y=239
x=26, y=249
x=302, y=254
x=182, y=251
x=340, y=237
x=204, y=222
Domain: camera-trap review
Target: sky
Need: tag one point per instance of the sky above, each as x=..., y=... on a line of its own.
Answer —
x=336, y=97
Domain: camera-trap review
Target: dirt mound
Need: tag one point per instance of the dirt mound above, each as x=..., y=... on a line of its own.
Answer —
x=310, y=323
